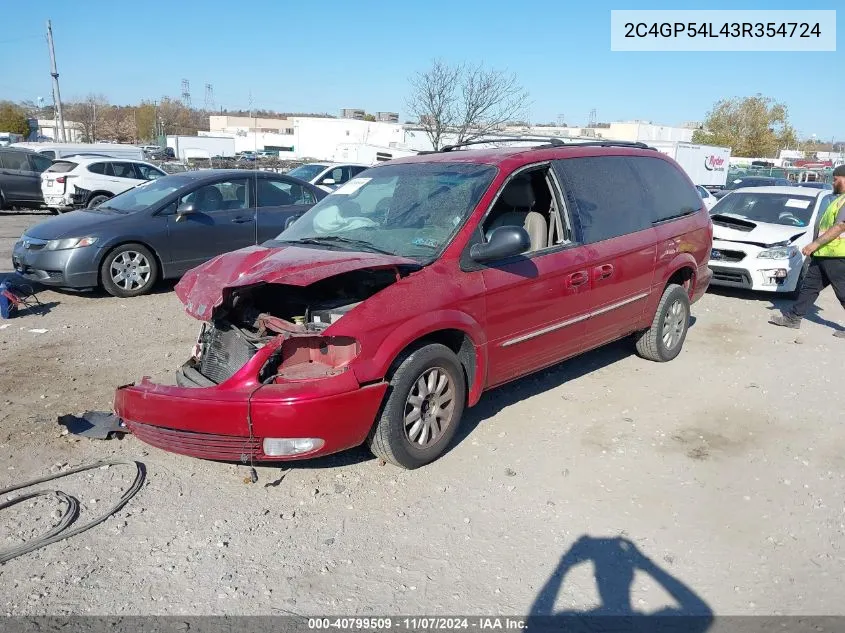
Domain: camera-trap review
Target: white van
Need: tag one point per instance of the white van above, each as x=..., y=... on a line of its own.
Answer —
x=63, y=150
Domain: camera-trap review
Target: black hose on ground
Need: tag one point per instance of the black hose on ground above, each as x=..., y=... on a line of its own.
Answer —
x=60, y=531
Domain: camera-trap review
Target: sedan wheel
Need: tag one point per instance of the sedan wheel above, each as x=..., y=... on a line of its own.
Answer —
x=129, y=270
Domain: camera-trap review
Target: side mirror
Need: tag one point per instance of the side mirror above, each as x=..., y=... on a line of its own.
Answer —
x=505, y=241
x=184, y=210
x=327, y=181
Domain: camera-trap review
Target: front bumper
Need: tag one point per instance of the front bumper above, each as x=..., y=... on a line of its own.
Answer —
x=214, y=422
x=753, y=273
x=69, y=268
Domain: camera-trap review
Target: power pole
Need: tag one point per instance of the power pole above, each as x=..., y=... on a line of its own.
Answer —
x=57, y=97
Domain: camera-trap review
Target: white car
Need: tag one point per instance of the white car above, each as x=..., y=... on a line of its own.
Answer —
x=758, y=234
x=86, y=181
x=327, y=176
x=708, y=198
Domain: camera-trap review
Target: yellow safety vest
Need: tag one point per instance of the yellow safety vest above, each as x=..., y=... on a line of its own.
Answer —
x=834, y=248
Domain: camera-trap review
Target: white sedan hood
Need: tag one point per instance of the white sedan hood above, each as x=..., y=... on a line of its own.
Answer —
x=760, y=233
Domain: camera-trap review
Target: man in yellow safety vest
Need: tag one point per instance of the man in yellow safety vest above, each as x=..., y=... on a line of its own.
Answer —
x=827, y=259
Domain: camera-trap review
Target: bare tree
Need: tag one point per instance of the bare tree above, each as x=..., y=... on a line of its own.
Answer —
x=433, y=100
x=86, y=112
x=469, y=102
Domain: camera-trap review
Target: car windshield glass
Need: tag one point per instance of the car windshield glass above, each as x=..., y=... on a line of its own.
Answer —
x=411, y=209
x=775, y=208
x=143, y=196
x=306, y=172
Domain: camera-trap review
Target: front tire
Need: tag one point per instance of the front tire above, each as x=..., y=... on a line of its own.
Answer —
x=129, y=270
x=422, y=409
x=663, y=341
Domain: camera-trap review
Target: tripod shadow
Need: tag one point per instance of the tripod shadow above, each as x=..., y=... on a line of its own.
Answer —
x=615, y=561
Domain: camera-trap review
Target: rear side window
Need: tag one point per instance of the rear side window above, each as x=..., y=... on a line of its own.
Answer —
x=48, y=153
x=667, y=191
x=14, y=160
x=62, y=166
x=607, y=195
x=98, y=168
x=125, y=170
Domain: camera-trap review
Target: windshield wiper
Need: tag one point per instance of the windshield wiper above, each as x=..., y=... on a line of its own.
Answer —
x=334, y=240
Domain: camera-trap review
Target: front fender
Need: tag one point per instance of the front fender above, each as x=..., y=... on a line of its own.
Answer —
x=376, y=366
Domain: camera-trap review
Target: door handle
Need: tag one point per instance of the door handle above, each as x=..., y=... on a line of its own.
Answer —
x=577, y=279
x=602, y=272
x=241, y=220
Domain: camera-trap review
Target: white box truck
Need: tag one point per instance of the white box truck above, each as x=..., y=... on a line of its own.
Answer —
x=207, y=146
x=706, y=165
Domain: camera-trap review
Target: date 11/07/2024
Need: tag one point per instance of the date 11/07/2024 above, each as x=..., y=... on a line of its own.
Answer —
x=732, y=29
x=418, y=623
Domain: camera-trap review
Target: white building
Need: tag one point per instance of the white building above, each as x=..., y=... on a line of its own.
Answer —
x=47, y=130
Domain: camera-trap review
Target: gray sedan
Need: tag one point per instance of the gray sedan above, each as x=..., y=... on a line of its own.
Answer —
x=161, y=229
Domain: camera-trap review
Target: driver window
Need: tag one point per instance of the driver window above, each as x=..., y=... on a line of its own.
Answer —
x=219, y=196
x=528, y=200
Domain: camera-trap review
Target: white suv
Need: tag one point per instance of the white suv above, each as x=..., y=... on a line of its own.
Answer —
x=86, y=181
x=328, y=176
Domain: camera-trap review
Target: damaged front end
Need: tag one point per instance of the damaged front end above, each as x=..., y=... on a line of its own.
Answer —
x=291, y=320
x=267, y=379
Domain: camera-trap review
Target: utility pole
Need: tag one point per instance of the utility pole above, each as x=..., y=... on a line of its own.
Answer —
x=57, y=97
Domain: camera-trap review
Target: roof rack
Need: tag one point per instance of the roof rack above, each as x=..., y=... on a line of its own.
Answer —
x=554, y=141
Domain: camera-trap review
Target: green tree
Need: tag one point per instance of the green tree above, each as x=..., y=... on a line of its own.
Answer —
x=369, y=117
x=13, y=119
x=753, y=127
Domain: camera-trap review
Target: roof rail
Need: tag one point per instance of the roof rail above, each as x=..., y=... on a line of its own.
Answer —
x=551, y=140
x=554, y=141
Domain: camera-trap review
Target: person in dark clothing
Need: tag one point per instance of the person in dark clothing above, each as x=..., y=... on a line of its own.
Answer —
x=827, y=259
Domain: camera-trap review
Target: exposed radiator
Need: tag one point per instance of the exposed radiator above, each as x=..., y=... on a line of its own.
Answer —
x=226, y=350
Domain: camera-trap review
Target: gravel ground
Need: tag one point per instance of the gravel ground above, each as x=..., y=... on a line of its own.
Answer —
x=716, y=479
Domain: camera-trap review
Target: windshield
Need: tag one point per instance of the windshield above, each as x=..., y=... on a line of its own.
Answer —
x=774, y=208
x=411, y=210
x=306, y=172
x=144, y=195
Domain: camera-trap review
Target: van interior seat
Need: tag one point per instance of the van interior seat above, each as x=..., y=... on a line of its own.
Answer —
x=515, y=207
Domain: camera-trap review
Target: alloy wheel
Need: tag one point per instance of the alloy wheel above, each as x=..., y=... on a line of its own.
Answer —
x=430, y=407
x=673, y=325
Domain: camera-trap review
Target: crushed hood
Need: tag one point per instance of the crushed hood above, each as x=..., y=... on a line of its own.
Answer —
x=202, y=288
x=761, y=233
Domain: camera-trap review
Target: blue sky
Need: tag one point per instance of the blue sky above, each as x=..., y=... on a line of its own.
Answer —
x=323, y=56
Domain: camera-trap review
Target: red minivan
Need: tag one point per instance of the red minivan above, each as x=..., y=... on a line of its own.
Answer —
x=395, y=302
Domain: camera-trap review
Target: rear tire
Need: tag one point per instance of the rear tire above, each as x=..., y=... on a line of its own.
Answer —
x=422, y=408
x=129, y=270
x=96, y=201
x=663, y=341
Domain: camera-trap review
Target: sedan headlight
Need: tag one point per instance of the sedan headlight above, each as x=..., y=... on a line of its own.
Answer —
x=71, y=242
x=780, y=252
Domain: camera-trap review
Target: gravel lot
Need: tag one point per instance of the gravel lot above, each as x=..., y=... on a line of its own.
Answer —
x=725, y=467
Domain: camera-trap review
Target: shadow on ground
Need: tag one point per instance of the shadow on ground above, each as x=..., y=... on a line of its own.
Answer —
x=615, y=562
x=777, y=303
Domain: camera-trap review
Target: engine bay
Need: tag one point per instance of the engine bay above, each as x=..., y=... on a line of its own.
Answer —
x=255, y=316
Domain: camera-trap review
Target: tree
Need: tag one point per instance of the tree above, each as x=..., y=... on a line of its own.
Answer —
x=752, y=127
x=118, y=124
x=466, y=101
x=86, y=113
x=370, y=117
x=13, y=119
